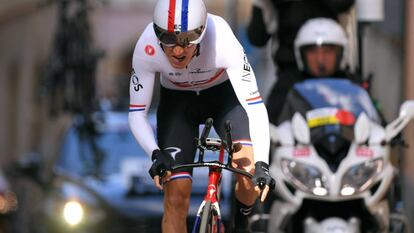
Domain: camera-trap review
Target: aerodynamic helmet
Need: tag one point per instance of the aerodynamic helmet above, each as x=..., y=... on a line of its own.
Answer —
x=180, y=22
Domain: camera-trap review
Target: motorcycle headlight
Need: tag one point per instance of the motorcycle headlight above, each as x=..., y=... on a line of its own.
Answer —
x=75, y=206
x=77, y=212
x=73, y=212
x=360, y=177
x=305, y=177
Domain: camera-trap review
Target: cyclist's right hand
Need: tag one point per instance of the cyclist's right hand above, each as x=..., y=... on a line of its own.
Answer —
x=162, y=163
x=264, y=182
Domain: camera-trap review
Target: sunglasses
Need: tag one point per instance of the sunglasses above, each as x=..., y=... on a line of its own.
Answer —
x=183, y=39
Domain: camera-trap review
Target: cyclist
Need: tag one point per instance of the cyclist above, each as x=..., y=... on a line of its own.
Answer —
x=204, y=73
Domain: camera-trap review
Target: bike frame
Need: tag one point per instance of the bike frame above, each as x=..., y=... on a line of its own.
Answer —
x=212, y=195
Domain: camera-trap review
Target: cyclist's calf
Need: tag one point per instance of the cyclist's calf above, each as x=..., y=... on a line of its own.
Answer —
x=176, y=204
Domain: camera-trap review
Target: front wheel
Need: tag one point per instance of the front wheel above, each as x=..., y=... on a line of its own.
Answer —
x=209, y=220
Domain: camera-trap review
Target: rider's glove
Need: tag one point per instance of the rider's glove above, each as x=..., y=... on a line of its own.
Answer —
x=161, y=163
x=262, y=177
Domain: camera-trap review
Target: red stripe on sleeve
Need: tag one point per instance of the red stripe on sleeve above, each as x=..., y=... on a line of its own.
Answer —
x=135, y=105
x=255, y=98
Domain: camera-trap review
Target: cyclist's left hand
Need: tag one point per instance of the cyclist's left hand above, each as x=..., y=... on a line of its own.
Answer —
x=262, y=179
x=160, y=170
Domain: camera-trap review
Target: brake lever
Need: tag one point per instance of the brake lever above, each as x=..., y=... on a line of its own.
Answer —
x=163, y=172
x=264, y=190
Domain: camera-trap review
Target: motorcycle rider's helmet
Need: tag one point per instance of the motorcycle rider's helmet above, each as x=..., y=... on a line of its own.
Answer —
x=320, y=31
x=180, y=22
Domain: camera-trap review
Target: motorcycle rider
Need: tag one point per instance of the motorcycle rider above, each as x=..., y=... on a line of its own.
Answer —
x=277, y=22
x=321, y=50
x=204, y=73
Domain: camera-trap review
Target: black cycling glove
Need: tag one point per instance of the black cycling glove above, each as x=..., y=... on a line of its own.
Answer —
x=161, y=163
x=262, y=177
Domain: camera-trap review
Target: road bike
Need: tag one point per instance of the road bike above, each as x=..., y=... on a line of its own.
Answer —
x=208, y=219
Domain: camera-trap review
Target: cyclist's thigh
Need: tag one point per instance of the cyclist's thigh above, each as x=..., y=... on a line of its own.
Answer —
x=175, y=128
x=242, y=159
x=231, y=109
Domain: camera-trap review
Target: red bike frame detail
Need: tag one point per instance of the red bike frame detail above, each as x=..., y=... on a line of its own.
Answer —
x=214, y=175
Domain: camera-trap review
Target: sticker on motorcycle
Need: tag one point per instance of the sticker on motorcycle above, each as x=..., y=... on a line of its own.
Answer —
x=364, y=152
x=329, y=116
x=301, y=152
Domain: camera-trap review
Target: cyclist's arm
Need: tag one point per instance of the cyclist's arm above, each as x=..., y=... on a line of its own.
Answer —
x=141, y=89
x=244, y=84
x=250, y=99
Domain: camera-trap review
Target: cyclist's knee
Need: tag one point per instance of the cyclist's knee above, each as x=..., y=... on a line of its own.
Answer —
x=177, y=195
x=177, y=204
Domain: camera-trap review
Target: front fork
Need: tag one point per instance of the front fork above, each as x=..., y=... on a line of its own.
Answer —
x=215, y=206
x=212, y=195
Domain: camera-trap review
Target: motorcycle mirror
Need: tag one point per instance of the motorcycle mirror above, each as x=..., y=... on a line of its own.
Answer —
x=407, y=109
x=300, y=129
x=397, y=125
x=362, y=128
x=273, y=133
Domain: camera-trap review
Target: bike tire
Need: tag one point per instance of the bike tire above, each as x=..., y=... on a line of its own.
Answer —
x=207, y=215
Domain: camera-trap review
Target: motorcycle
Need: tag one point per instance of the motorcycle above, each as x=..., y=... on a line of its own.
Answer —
x=332, y=163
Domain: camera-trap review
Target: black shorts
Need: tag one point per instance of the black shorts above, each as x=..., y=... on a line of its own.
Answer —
x=180, y=114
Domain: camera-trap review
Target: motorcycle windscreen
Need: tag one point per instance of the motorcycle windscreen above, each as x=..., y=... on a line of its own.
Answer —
x=337, y=93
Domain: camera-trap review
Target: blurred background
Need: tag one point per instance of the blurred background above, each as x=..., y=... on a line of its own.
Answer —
x=62, y=60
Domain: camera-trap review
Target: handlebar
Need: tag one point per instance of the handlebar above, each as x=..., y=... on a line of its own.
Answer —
x=229, y=140
x=213, y=164
x=213, y=144
x=204, y=143
x=206, y=131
